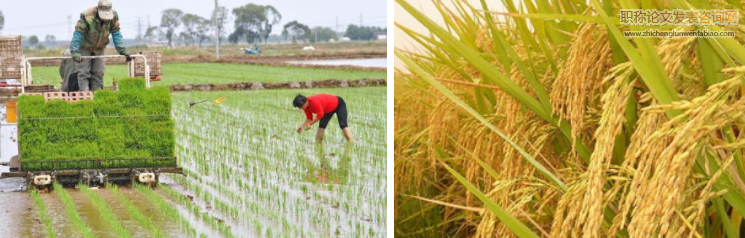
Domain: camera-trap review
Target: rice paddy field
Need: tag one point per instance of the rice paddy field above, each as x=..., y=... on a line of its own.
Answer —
x=227, y=50
x=544, y=120
x=278, y=183
x=248, y=173
x=218, y=73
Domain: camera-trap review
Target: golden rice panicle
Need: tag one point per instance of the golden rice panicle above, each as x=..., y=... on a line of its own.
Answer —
x=658, y=201
x=579, y=82
x=611, y=125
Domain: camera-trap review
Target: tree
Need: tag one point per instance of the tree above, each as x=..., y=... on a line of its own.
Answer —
x=151, y=33
x=204, y=26
x=184, y=38
x=33, y=40
x=254, y=22
x=272, y=18
x=194, y=26
x=236, y=36
x=2, y=21
x=50, y=39
x=322, y=34
x=355, y=32
x=297, y=30
x=171, y=20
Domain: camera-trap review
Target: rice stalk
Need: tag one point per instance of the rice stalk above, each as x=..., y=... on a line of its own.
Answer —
x=546, y=115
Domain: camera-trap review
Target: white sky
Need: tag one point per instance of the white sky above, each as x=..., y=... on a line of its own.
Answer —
x=402, y=41
x=44, y=17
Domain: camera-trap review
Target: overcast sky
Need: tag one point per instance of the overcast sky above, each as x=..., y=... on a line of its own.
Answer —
x=44, y=17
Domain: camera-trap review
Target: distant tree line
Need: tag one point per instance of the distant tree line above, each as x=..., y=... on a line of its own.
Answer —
x=253, y=23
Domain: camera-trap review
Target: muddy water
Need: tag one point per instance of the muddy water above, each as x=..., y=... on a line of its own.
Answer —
x=197, y=222
x=148, y=209
x=17, y=210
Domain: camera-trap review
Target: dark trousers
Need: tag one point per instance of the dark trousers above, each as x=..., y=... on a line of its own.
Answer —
x=341, y=112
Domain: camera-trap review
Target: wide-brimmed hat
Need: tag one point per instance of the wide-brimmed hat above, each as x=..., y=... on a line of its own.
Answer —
x=105, y=11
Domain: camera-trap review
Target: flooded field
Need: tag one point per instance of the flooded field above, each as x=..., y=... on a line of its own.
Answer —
x=248, y=174
x=275, y=181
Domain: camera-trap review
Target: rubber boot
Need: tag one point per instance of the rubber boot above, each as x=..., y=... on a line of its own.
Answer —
x=348, y=134
x=319, y=135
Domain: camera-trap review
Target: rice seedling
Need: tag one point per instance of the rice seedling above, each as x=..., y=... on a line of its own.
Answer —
x=167, y=209
x=273, y=179
x=546, y=121
x=144, y=221
x=132, y=123
x=49, y=230
x=220, y=226
x=72, y=212
x=105, y=212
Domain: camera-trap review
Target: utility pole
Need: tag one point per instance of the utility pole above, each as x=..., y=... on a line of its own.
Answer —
x=70, y=29
x=148, y=40
x=139, y=29
x=217, y=30
x=360, y=19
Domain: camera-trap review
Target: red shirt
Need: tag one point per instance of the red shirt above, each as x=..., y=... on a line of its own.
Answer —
x=320, y=104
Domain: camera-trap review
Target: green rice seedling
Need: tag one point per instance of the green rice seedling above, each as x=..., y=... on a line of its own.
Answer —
x=72, y=212
x=268, y=168
x=220, y=226
x=133, y=123
x=49, y=230
x=167, y=209
x=134, y=212
x=105, y=212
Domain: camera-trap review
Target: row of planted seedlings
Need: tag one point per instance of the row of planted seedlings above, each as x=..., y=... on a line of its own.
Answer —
x=263, y=161
x=103, y=207
x=348, y=186
x=256, y=192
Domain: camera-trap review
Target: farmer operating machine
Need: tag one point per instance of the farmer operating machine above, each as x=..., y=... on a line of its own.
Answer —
x=42, y=169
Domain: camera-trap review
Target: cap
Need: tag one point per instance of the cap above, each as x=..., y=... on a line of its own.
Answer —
x=104, y=10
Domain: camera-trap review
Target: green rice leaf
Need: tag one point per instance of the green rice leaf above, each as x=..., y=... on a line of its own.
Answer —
x=457, y=101
x=520, y=229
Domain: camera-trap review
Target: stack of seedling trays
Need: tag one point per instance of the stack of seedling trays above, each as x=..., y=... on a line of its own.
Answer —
x=154, y=60
x=11, y=55
x=129, y=128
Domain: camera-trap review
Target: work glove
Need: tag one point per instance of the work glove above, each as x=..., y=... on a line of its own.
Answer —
x=126, y=54
x=76, y=57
